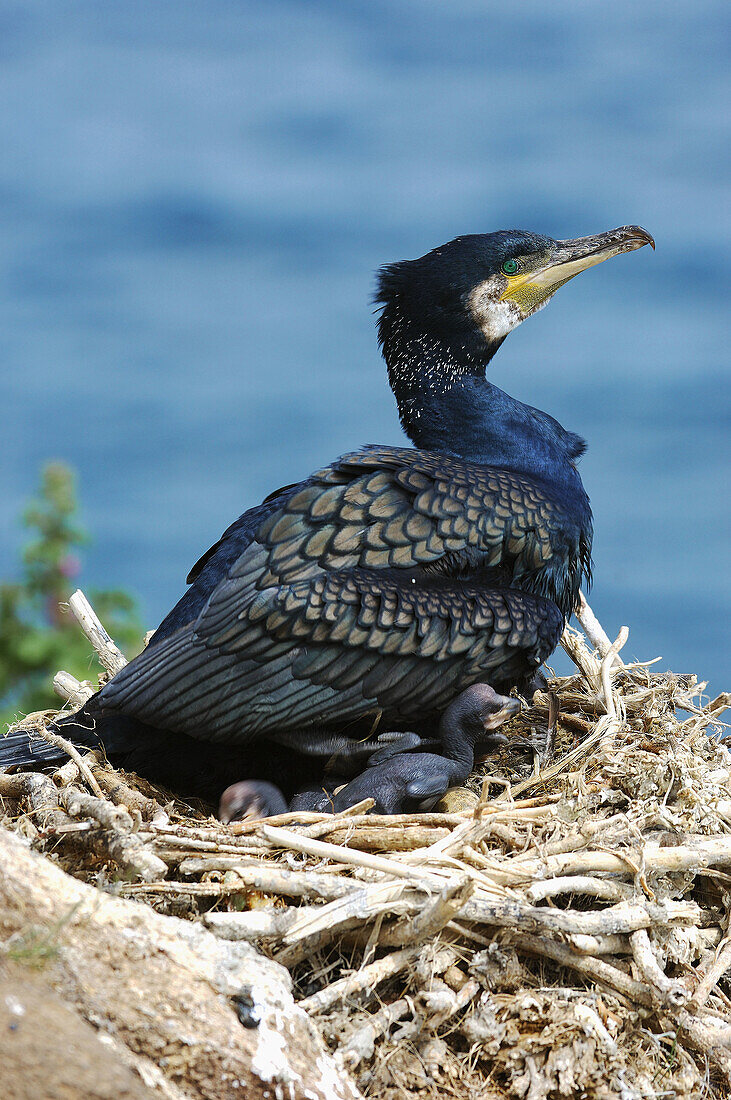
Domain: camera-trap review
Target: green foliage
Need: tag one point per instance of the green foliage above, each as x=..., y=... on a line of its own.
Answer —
x=36, y=946
x=37, y=636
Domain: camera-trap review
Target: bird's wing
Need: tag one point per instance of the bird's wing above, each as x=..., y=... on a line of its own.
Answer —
x=396, y=508
x=345, y=601
x=332, y=649
x=239, y=526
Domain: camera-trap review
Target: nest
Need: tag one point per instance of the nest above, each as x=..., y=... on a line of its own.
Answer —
x=557, y=928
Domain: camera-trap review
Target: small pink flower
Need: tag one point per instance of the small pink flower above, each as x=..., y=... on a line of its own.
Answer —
x=70, y=566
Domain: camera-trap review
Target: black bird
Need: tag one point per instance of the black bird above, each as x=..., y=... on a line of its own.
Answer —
x=374, y=592
x=398, y=779
x=405, y=778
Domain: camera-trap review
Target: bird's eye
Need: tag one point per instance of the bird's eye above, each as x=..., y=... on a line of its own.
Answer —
x=509, y=267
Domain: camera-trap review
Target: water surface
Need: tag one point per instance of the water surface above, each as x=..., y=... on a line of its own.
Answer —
x=194, y=199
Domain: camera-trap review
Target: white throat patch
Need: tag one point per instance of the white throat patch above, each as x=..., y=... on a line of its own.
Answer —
x=494, y=317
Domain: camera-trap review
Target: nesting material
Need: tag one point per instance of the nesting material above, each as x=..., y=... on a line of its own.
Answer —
x=560, y=928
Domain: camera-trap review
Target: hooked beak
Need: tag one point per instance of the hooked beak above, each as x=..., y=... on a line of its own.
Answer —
x=507, y=711
x=530, y=289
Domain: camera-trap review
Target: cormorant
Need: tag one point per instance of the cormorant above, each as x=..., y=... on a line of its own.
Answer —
x=375, y=591
x=417, y=778
x=471, y=718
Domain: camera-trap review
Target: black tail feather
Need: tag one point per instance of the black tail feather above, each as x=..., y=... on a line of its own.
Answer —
x=86, y=728
x=181, y=763
x=21, y=748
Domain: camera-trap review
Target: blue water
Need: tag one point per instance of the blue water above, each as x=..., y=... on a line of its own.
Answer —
x=194, y=197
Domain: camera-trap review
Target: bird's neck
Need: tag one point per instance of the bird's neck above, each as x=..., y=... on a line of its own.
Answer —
x=458, y=747
x=447, y=405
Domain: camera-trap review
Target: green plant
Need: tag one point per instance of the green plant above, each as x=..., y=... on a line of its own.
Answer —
x=37, y=636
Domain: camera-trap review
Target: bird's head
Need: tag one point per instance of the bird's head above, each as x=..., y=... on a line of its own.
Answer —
x=475, y=716
x=467, y=295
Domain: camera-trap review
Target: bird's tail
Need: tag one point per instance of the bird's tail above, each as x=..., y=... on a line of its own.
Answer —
x=83, y=728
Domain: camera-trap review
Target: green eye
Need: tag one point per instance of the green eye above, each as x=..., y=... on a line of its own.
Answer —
x=509, y=267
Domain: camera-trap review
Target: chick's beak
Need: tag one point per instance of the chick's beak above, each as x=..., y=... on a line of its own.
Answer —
x=566, y=259
x=508, y=710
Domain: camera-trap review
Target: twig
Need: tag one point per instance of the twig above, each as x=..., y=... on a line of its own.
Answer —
x=41, y=793
x=614, y=944
x=595, y=969
x=359, y=1044
x=594, y=630
x=362, y=981
x=432, y=918
x=714, y=851
x=109, y=653
x=718, y=967
x=672, y=993
x=73, y=753
x=283, y=838
x=621, y=918
x=578, y=884
x=573, y=643
x=124, y=847
x=386, y=839
x=76, y=692
x=254, y=925
x=121, y=793
x=274, y=878
x=606, y=671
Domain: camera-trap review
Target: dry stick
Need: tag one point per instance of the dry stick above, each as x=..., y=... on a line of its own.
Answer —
x=76, y=692
x=174, y=848
x=67, y=774
x=718, y=967
x=434, y=916
x=360, y=1043
x=385, y=821
x=73, y=753
x=460, y=999
x=366, y=838
x=119, y=791
x=254, y=925
x=707, y=1040
x=595, y=969
x=573, y=644
x=594, y=630
x=571, y=843
x=579, y=884
x=122, y=845
x=364, y=980
x=191, y=889
x=714, y=851
x=274, y=878
x=283, y=838
x=41, y=793
x=621, y=918
x=711, y=1042
x=674, y=994
x=109, y=653
x=385, y=897
x=612, y=723
x=615, y=944
x=721, y=703
x=592, y=1023
x=606, y=671
x=354, y=818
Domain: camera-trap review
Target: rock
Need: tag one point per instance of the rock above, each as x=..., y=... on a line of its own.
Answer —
x=163, y=994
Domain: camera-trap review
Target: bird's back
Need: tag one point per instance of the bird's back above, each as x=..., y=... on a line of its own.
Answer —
x=369, y=588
